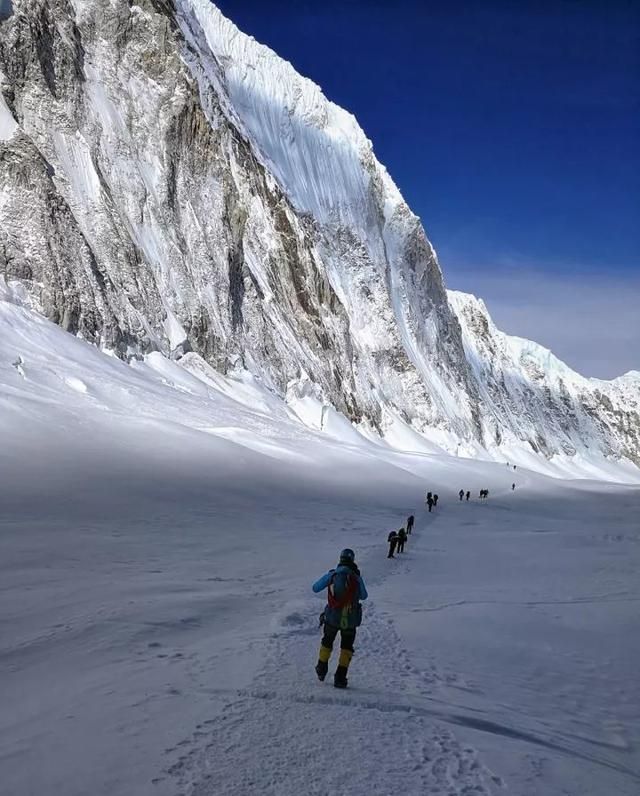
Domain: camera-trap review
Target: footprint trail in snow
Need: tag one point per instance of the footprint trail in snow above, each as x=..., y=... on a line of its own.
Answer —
x=290, y=734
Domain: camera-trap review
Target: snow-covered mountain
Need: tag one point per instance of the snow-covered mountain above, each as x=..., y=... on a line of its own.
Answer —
x=170, y=184
x=533, y=397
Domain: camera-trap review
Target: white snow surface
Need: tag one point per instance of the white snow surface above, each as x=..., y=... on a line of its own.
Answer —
x=161, y=526
x=8, y=124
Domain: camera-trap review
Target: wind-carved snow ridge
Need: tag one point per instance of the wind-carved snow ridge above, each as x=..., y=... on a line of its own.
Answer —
x=172, y=186
x=314, y=148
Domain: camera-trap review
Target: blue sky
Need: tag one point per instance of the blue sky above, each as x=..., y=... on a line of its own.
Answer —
x=513, y=130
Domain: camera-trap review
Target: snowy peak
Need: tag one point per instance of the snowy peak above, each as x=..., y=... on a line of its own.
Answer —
x=184, y=214
x=560, y=412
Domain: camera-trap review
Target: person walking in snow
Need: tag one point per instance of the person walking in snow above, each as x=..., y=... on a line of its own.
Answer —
x=393, y=541
x=410, y=524
x=513, y=486
x=430, y=502
x=468, y=494
x=435, y=500
x=342, y=614
x=461, y=494
x=402, y=538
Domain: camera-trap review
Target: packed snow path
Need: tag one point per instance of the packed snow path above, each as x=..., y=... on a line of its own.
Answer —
x=159, y=633
x=289, y=734
x=409, y=727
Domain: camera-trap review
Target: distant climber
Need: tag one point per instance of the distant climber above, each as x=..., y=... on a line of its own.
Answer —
x=430, y=501
x=435, y=500
x=513, y=486
x=342, y=614
x=468, y=494
x=393, y=541
x=461, y=494
x=410, y=524
x=402, y=538
x=514, y=467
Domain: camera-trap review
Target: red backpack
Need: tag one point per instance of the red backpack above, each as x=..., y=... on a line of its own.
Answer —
x=342, y=589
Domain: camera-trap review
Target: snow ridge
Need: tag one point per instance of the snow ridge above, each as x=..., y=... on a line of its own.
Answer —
x=313, y=147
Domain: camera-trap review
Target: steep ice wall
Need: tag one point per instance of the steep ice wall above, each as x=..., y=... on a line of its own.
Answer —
x=166, y=221
x=377, y=257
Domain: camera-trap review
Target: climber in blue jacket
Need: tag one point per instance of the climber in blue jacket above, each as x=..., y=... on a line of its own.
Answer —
x=343, y=614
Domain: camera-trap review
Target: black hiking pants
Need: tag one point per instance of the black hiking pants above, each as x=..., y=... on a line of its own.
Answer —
x=392, y=547
x=347, y=637
x=401, y=545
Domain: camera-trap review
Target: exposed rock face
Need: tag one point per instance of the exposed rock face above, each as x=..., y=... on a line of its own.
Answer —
x=171, y=184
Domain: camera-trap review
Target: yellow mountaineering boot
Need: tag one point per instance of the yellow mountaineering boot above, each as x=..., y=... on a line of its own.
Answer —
x=340, y=677
x=322, y=666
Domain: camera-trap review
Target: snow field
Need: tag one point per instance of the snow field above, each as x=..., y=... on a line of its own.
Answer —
x=172, y=639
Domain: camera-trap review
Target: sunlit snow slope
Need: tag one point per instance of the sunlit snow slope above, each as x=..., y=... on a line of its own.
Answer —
x=52, y=383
